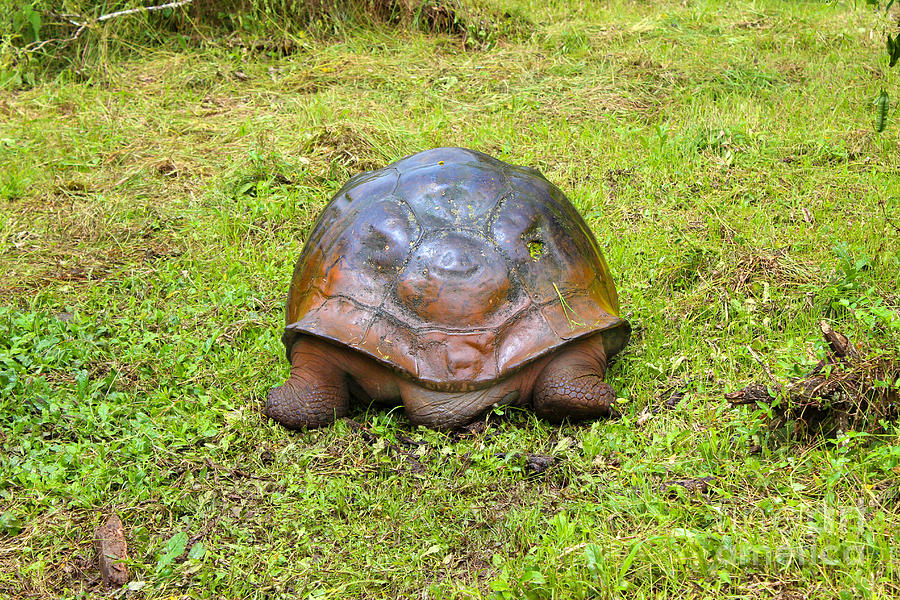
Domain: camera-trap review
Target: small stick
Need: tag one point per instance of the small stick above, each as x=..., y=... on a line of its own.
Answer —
x=762, y=364
x=131, y=11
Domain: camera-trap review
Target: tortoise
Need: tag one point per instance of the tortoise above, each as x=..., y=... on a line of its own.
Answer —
x=450, y=282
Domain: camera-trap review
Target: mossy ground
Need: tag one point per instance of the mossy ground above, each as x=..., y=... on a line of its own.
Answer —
x=722, y=152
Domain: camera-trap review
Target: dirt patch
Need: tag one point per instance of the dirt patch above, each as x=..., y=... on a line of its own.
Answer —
x=774, y=267
x=72, y=238
x=615, y=179
x=794, y=73
x=851, y=146
x=344, y=145
x=697, y=485
x=29, y=271
x=754, y=25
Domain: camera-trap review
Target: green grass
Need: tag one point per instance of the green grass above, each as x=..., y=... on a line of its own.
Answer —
x=723, y=153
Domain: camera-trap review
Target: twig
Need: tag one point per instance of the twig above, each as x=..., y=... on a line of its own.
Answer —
x=131, y=11
x=68, y=17
x=35, y=46
x=85, y=23
x=762, y=364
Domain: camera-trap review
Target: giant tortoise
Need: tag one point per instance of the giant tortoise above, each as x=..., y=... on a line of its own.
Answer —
x=450, y=282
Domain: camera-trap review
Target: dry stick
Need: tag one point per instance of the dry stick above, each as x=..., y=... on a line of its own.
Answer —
x=68, y=17
x=762, y=364
x=131, y=11
x=35, y=46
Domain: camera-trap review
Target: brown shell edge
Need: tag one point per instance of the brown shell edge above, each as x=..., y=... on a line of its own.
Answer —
x=406, y=364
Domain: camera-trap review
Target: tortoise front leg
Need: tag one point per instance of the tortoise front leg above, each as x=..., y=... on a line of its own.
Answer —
x=571, y=386
x=316, y=392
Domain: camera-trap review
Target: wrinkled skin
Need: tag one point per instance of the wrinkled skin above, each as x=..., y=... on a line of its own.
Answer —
x=324, y=377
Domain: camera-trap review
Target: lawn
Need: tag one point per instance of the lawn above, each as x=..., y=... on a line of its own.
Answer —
x=726, y=158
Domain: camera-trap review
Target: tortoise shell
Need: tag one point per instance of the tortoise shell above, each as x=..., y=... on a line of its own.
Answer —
x=454, y=269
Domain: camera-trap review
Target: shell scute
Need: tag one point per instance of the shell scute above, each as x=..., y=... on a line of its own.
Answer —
x=458, y=356
x=451, y=195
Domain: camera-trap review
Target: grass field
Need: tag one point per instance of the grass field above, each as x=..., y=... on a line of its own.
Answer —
x=723, y=153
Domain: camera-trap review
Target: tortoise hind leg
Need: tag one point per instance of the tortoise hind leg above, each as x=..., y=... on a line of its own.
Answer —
x=316, y=392
x=571, y=386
